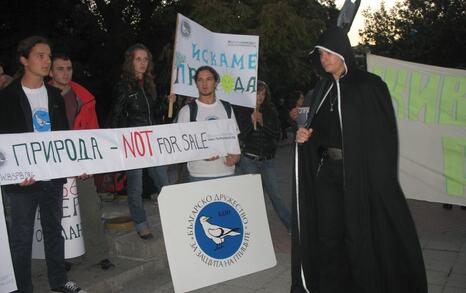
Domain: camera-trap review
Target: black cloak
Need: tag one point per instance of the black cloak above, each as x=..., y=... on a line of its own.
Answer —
x=380, y=237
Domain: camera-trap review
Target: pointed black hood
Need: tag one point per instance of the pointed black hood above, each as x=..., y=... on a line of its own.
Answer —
x=333, y=40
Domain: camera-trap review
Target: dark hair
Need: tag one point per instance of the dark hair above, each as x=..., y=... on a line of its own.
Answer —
x=25, y=46
x=24, y=49
x=207, y=68
x=60, y=55
x=128, y=73
x=292, y=99
x=262, y=85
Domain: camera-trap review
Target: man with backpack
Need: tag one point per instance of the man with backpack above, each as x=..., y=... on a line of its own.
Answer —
x=208, y=107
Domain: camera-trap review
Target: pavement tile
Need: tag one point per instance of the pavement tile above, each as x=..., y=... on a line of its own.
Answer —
x=260, y=279
x=453, y=290
x=457, y=280
x=435, y=288
x=436, y=278
x=460, y=267
x=279, y=285
x=439, y=260
x=447, y=245
x=224, y=288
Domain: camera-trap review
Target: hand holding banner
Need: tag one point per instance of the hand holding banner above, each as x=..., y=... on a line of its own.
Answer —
x=61, y=154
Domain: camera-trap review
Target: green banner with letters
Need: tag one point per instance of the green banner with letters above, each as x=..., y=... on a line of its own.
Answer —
x=430, y=105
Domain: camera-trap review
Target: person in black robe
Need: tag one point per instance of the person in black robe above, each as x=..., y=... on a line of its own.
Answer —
x=352, y=230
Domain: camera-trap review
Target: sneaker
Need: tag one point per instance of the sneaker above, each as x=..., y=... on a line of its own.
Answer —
x=69, y=287
x=145, y=235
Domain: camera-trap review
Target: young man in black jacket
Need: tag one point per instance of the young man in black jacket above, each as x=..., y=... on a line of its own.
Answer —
x=30, y=105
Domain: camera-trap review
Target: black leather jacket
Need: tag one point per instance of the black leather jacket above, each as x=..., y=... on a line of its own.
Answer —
x=261, y=142
x=16, y=117
x=133, y=106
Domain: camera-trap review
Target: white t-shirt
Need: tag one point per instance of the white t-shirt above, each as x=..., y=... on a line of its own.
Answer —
x=39, y=102
x=203, y=168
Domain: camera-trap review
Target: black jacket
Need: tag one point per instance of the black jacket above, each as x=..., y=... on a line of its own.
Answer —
x=263, y=140
x=16, y=117
x=133, y=106
x=380, y=237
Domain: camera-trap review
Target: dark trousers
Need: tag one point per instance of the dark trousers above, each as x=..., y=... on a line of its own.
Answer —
x=23, y=209
x=334, y=273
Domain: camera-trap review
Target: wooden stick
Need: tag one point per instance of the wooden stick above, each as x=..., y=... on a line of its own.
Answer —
x=170, y=104
x=170, y=109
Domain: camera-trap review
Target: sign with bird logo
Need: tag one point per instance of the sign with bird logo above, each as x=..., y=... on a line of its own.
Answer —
x=215, y=230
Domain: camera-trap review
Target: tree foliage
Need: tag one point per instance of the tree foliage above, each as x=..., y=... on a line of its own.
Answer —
x=95, y=34
x=430, y=32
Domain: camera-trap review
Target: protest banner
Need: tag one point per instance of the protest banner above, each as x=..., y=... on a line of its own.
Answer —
x=235, y=57
x=59, y=154
x=7, y=274
x=71, y=225
x=215, y=230
x=430, y=105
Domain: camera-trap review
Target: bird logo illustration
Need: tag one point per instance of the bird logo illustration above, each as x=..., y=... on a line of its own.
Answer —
x=185, y=29
x=41, y=121
x=217, y=233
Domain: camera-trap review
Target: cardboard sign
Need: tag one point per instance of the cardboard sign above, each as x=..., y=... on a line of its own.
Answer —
x=215, y=230
x=71, y=225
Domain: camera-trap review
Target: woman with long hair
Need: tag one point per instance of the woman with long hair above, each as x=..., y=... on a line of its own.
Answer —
x=135, y=104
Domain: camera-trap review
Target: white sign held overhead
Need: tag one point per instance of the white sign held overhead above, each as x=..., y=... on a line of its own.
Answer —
x=234, y=57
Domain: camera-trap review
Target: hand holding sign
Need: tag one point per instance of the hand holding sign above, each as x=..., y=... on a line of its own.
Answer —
x=28, y=181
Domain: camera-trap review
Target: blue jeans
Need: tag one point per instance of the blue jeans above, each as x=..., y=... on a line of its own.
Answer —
x=23, y=210
x=270, y=184
x=134, y=188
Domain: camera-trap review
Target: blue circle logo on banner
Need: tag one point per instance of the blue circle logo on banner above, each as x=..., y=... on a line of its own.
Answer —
x=219, y=230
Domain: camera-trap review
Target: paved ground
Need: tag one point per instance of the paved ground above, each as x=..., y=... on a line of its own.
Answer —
x=442, y=234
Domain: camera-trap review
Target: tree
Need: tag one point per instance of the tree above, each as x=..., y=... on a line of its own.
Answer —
x=429, y=32
x=95, y=33
x=287, y=31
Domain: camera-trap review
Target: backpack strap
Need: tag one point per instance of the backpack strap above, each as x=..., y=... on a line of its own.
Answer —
x=227, y=107
x=193, y=109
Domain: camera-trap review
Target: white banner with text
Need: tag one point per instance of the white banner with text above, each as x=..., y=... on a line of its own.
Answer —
x=430, y=105
x=234, y=57
x=60, y=154
x=7, y=274
x=71, y=225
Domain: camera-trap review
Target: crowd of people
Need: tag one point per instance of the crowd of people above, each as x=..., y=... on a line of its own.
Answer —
x=349, y=219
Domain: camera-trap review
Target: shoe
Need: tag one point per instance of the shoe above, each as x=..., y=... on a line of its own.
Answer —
x=69, y=287
x=106, y=264
x=145, y=234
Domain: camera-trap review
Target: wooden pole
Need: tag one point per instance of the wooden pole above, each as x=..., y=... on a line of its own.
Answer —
x=174, y=69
